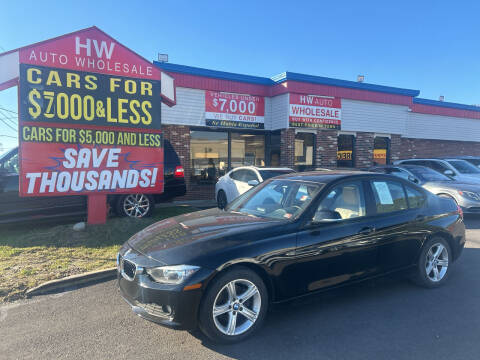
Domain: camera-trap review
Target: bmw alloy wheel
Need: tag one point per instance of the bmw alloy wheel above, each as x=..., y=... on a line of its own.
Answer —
x=236, y=307
x=436, y=265
x=136, y=205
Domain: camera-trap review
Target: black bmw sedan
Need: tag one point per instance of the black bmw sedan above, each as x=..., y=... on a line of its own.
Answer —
x=292, y=235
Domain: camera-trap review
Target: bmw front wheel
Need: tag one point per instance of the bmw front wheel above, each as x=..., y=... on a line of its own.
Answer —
x=234, y=306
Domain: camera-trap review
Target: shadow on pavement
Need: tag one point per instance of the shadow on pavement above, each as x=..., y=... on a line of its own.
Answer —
x=472, y=222
x=382, y=319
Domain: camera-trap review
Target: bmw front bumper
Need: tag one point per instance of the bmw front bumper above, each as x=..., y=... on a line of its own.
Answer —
x=168, y=305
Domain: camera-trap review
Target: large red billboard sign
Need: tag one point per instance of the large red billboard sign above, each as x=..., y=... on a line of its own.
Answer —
x=83, y=99
x=224, y=109
x=311, y=111
x=89, y=116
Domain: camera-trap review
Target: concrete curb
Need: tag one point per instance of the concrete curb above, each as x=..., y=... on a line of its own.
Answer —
x=74, y=280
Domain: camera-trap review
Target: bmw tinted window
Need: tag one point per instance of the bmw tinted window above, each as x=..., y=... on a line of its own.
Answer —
x=415, y=198
x=389, y=196
x=345, y=201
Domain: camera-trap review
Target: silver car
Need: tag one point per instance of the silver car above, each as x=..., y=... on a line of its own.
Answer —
x=457, y=169
x=466, y=195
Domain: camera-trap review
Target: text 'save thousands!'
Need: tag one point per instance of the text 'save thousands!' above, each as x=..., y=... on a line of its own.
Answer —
x=310, y=111
x=83, y=133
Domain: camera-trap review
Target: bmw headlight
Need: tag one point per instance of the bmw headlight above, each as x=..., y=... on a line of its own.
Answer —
x=173, y=275
x=470, y=195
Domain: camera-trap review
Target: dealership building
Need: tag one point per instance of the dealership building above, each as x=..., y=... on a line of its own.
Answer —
x=224, y=120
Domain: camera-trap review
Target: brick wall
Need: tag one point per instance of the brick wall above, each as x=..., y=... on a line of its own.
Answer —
x=416, y=148
x=179, y=137
x=287, y=147
x=326, y=149
x=364, y=149
x=395, y=147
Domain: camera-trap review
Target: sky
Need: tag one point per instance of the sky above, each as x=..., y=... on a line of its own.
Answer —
x=431, y=46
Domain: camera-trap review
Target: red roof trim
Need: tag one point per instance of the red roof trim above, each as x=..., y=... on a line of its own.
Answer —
x=205, y=83
x=444, y=111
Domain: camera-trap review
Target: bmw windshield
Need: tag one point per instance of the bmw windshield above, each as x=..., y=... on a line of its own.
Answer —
x=277, y=199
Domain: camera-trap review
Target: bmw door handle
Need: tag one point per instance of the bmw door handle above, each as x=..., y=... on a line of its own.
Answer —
x=366, y=230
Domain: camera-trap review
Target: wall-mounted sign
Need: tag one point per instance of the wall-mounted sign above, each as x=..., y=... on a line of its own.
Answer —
x=344, y=155
x=380, y=156
x=234, y=110
x=309, y=111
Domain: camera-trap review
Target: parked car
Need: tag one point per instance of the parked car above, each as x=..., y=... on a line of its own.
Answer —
x=222, y=269
x=14, y=208
x=459, y=170
x=465, y=195
x=242, y=179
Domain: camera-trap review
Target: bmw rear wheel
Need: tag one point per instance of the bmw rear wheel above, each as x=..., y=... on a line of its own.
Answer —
x=234, y=306
x=434, y=263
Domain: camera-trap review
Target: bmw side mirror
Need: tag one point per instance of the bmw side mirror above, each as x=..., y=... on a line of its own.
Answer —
x=253, y=182
x=326, y=216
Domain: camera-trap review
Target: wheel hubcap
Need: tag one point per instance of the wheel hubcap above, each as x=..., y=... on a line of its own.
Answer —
x=236, y=307
x=136, y=205
x=437, y=262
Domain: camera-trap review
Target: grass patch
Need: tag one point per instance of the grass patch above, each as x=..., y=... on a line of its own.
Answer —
x=32, y=254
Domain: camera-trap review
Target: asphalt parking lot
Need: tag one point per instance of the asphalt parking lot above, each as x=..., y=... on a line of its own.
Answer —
x=382, y=319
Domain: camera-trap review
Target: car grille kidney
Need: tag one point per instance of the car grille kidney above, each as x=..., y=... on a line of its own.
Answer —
x=128, y=269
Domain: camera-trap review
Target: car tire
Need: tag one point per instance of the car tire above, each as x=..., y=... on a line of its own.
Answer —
x=135, y=205
x=241, y=300
x=221, y=199
x=434, y=263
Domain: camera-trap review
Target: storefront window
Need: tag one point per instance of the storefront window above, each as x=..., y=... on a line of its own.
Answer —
x=247, y=149
x=381, y=150
x=345, y=156
x=304, y=151
x=209, y=155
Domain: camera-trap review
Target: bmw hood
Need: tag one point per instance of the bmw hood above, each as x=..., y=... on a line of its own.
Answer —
x=175, y=240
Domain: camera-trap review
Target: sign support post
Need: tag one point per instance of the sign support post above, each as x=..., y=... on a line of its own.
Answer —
x=97, y=209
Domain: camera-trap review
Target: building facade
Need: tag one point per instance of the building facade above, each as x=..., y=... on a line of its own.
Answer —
x=224, y=120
